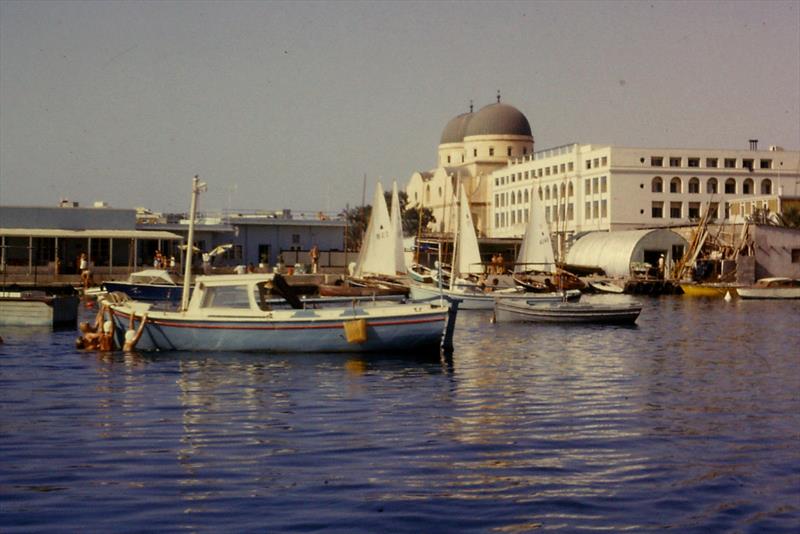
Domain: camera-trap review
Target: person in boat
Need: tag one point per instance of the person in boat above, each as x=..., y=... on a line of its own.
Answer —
x=132, y=336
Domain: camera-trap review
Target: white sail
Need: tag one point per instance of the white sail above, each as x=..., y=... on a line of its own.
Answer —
x=467, y=258
x=397, y=230
x=377, y=247
x=536, y=252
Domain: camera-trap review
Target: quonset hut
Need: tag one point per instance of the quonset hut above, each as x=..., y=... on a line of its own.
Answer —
x=623, y=253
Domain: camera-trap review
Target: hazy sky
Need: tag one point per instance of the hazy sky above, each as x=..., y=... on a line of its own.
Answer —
x=290, y=104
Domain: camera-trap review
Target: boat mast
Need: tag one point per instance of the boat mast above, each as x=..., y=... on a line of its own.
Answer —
x=197, y=188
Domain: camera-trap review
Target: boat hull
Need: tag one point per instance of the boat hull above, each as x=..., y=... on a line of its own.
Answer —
x=293, y=331
x=38, y=311
x=564, y=312
x=769, y=292
x=708, y=290
x=485, y=301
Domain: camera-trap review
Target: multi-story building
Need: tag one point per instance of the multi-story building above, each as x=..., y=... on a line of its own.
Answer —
x=591, y=187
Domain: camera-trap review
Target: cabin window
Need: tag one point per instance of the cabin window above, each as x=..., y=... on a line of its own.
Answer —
x=226, y=297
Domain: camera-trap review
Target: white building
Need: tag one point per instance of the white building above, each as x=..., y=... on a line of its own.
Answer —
x=591, y=187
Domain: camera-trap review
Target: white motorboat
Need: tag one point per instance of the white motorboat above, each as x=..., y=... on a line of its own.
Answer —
x=509, y=310
x=771, y=288
x=606, y=286
x=232, y=313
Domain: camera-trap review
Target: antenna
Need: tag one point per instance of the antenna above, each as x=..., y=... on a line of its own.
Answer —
x=470, y=105
x=498, y=96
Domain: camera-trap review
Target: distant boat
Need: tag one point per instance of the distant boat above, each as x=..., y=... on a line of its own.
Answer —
x=148, y=285
x=711, y=290
x=365, y=287
x=606, y=286
x=771, y=288
x=36, y=308
x=231, y=313
x=509, y=310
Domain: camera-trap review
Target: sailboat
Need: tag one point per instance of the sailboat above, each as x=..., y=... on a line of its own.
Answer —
x=536, y=268
x=466, y=262
x=377, y=266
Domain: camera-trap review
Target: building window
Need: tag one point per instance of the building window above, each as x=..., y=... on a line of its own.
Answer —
x=657, y=210
x=675, y=185
x=711, y=163
x=604, y=208
x=730, y=186
x=491, y=151
x=527, y=197
x=596, y=162
x=563, y=167
x=796, y=255
x=730, y=163
x=547, y=213
x=571, y=189
x=509, y=151
x=694, y=185
x=524, y=150
x=526, y=175
x=694, y=210
x=766, y=187
x=588, y=188
x=656, y=161
x=675, y=210
x=588, y=164
x=604, y=161
x=711, y=186
x=657, y=185
x=570, y=166
x=595, y=209
x=765, y=164
x=547, y=192
x=747, y=164
x=474, y=152
x=440, y=191
x=603, y=184
x=693, y=162
x=462, y=158
x=595, y=185
x=747, y=187
x=570, y=212
x=674, y=162
x=587, y=214
x=555, y=169
x=448, y=159
x=713, y=210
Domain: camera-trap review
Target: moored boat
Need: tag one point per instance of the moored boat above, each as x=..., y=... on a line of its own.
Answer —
x=606, y=286
x=713, y=290
x=772, y=288
x=147, y=285
x=510, y=310
x=232, y=313
x=36, y=308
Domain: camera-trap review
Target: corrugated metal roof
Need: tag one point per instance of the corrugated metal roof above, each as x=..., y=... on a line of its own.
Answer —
x=614, y=251
x=84, y=234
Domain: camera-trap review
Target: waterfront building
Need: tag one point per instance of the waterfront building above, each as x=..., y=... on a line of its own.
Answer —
x=46, y=242
x=472, y=147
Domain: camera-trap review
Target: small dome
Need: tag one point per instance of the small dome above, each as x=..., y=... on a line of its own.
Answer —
x=498, y=119
x=454, y=131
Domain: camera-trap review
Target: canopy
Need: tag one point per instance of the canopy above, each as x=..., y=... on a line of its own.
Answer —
x=615, y=251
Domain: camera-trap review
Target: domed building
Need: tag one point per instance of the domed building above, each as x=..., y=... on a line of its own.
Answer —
x=471, y=147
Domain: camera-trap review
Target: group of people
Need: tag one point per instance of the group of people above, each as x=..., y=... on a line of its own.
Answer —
x=497, y=266
x=100, y=334
x=161, y=262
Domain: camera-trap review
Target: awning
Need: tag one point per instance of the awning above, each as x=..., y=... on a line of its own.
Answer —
x=94, y=234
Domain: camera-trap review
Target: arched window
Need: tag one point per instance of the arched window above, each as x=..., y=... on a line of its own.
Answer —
x=440, y=191
x=747, y=187
x=540, y=193
x=527, y=198
x=519, y=197
x=547, y=192
x=513, y=198
x=563, y=190
x=571, y=189
x=730, y=186
x=675, y=185
x=694, y=185
x=658, y=185
x=711, y=186
x=428, y=194
x=766, y=186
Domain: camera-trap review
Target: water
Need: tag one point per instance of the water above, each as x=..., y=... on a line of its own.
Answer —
x=689, y=421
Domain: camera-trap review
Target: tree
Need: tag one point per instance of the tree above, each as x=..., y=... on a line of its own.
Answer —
x=357, y=219
x=791, y=217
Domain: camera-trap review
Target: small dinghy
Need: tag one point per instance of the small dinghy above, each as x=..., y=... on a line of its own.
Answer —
x=509, y=310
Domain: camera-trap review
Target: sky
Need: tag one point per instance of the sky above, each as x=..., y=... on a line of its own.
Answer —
x=291, y=104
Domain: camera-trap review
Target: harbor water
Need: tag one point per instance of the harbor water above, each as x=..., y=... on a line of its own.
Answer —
x=688, y=421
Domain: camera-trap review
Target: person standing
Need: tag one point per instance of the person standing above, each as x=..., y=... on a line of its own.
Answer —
x=314, y=254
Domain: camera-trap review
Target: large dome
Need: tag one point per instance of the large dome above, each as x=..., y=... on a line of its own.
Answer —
x=454, y=131
x=497, y=119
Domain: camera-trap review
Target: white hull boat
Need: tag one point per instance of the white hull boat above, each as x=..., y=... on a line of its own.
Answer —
x=606, y=286
x=771, y=288
x=510, y=310
x=479, y=300
x=232, y=313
